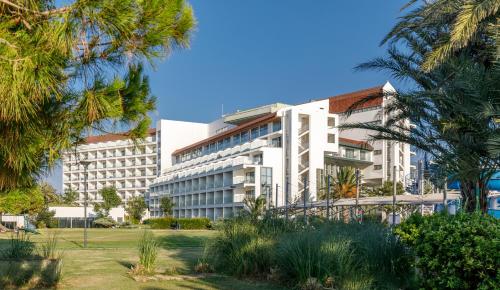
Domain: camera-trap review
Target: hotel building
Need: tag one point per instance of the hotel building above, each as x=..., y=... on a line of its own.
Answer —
x=279, y=151
x=115, y=160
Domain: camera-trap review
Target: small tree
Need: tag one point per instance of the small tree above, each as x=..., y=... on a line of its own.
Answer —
x=255, y=207
x=135, y=208
x=22, y=201
x=70, y=197
x=49, y=193
x=166, y=205
x=110, y=199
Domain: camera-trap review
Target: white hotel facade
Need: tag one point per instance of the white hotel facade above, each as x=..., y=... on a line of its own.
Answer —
x=208, y=169
x=281, y=151
x=115, y=161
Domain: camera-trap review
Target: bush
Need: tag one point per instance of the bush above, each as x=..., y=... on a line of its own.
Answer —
x=20, y=247
x=184, y=223
x=323, y=253
x=240, y=250
x=345, y=255
x=455, y=252
x=105, y=222
x=148, y=252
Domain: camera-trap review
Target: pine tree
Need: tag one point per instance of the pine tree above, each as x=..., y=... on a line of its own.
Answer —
x=66, y=72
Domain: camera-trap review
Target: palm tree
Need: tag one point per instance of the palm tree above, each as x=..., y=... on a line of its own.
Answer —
x=344, y=185
x=255, y=207
x=448, y=106
x=466, y=25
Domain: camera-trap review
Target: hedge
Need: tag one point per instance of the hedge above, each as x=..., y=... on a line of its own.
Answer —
x=455, y=252
x=184, y=223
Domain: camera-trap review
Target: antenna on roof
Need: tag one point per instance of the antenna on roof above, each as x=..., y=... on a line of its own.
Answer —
x=222, y=110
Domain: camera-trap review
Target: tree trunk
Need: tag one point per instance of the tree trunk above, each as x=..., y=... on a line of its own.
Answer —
x=468, y=192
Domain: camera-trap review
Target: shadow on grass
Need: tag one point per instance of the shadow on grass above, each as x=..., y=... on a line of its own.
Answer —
x=126, y=264
x=29, y=274
x=184, y=247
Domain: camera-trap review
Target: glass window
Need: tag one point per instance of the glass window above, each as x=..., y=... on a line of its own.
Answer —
x=377, y=152
x=244, y=137
x=349, y=153
x=263, y=130
x=250, y=177
x=276, y=126
x=276, y=142
x=212, y=148
x=331, y=122
x=219, y=145
x=227, y=143
x=377, y=167
x=257, y=159
x=363, y=155
x=266, y=180
x=331, y=138
x=254, y=133
x=236, y=139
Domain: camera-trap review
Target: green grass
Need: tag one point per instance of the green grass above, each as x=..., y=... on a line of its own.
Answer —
x=111, y=253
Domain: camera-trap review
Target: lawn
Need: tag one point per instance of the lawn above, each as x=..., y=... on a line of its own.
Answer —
x=111, y=253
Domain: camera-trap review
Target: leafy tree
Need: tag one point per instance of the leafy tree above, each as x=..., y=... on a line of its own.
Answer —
x=386, y=189
x=452, y=106
x=167, y=205
x=69, y=71
x=49, y=193
x=110, y=199
x=70, y=197
x=135, y=208
x=22, y=201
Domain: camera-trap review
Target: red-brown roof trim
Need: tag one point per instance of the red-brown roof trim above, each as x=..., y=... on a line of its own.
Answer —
x=341, y=103
x=355, y=143
x=114, y=137
x=238, y=129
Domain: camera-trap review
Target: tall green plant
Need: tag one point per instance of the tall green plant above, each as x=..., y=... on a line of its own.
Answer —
x=148, y=252
x=68, y=71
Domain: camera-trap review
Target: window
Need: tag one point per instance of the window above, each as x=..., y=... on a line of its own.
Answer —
x=250, y=177
x=227, y=143
x=254, y=133
x=331, y=122
x=236, y=139
x=377, y=152
x=363, y=155
x=244, y=137
x=257, y=159
x=377, y=167
x=212, y=148
x=219, y=145
x=331, y=138
x=276, y=142
x=266, y=179
x=349, y=153
x=276, y=126
x=263, y=130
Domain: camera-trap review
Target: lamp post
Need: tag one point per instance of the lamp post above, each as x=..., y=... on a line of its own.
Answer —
x=85, y=200
x=357, y=195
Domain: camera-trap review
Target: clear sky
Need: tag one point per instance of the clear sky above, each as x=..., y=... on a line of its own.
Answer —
x=249, y=53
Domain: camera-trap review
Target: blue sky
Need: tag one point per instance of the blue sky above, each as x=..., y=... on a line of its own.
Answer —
x=249, y=53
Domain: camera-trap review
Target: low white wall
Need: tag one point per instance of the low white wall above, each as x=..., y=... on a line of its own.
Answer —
x=78, y=212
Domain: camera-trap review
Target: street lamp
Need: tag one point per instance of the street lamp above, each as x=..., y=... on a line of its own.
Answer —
x=85, y=200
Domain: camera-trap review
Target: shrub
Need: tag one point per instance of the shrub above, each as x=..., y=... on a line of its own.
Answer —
x=455, y=252
x=240, y=250
x=148, y=251
x=105, y=222
x=323, y=253
x=184, y=223
x=20, y=247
